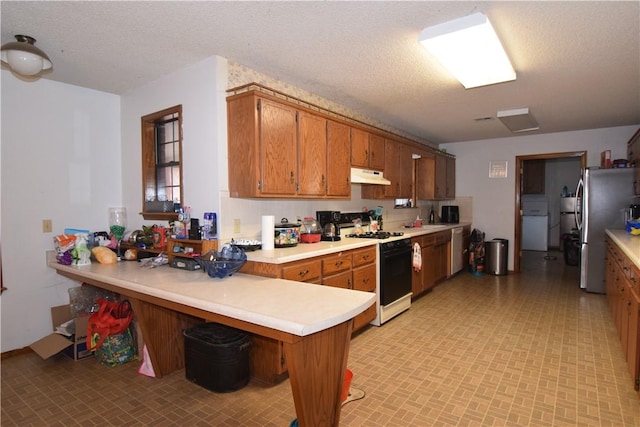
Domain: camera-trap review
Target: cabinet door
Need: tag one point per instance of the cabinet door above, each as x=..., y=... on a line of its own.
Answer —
x=533, y=176
x=312, y=149
x=392, y=168
x=450, y=182
x=633, y=351
x=426, y=177
x=406, y=171
x=441, y=177
x=278, y=148
x=376, y=152
x=359, y=148
x=338, y=154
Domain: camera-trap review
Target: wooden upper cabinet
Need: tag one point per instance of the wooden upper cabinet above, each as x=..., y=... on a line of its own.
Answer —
x=398, y=169
x=533, y=176
x=426, y=177
x=338, y=154
x=367, y=150
x=376, y=152
x=312, y=154
x=633, y=155
x=435, y=177
x=278, y=149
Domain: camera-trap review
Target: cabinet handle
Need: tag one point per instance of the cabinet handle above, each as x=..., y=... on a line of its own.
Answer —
x=303, y=273
x=322, y=179
x=291, y=177
x=338, y=263
x=366, y=155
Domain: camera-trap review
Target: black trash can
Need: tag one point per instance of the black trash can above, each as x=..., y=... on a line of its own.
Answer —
x=217, y=357
x=571, y=249
x=496, y=253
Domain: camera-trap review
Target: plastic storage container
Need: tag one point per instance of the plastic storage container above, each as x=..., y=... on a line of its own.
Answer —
x=496, y=254
x=217, y=357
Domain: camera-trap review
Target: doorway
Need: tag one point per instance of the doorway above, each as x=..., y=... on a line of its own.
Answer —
x=526, y=185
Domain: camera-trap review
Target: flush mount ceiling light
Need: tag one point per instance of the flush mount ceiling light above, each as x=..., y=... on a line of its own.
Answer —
x=470, y=49
x=519, y=120
x=24, y=58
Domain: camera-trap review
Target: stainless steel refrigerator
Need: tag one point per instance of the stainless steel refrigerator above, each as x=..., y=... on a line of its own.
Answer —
x=569, y=209
x=606, y=195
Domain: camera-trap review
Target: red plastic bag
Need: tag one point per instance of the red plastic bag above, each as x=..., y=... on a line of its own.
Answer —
x=111, y=319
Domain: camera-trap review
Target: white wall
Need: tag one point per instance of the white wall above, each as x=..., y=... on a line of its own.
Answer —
x=494, y=198
x=60, y=161
x=200, y=89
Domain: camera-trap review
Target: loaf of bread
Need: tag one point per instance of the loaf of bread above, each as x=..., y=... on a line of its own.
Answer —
x=104, y=255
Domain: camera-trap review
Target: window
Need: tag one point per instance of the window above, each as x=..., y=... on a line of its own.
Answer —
x=162, y=163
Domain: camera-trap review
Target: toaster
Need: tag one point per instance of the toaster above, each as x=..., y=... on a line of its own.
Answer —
x=450, y=215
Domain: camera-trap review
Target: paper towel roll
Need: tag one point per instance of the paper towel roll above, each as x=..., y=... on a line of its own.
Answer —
x=268, y=227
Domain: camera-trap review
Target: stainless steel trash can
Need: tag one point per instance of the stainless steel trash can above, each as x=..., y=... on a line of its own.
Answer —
x=496, y=256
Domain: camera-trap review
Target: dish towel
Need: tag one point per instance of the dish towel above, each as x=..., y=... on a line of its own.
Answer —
x=417, y=257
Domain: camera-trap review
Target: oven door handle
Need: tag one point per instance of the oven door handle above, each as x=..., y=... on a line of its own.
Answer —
x=396, y=251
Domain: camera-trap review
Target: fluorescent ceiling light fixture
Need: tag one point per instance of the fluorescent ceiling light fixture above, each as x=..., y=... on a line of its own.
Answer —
x=518, y=120
x=470, y=49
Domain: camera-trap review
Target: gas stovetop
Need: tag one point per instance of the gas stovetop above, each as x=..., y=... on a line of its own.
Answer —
x=376, y=235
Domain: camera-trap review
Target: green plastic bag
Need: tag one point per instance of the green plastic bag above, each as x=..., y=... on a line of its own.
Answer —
x=116, y=349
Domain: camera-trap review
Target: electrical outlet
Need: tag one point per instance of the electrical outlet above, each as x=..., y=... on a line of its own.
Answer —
x=236, y=225
x=46, y=226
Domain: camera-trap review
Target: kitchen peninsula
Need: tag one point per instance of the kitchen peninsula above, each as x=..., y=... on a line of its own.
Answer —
x=313, y=322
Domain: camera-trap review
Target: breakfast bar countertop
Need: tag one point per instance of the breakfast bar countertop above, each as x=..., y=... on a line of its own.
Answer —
x=292, y=307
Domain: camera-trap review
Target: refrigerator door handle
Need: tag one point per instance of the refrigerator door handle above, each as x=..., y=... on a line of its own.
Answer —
x=576, y=206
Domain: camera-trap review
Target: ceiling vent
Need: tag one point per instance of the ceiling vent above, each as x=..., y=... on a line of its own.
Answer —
x=518, y=120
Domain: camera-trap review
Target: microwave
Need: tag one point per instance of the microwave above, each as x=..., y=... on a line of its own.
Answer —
x=450, y=215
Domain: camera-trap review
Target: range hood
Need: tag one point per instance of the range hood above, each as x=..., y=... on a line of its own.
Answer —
x=363, y=176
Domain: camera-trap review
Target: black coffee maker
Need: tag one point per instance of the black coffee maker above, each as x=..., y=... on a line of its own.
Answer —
x=329, y=221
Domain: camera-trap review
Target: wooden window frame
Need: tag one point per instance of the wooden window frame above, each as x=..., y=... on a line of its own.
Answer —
x=149, y=160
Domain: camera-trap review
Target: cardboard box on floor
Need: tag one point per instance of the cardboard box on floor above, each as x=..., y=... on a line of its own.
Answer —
x=75, y=346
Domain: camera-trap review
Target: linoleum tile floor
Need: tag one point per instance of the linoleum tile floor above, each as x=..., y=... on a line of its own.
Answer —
x=517, y=350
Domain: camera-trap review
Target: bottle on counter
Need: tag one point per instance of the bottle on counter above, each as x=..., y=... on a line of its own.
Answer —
x=432, y=216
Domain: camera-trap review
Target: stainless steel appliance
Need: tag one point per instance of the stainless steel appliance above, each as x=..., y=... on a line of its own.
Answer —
x=606, y=195
x=569, y=206
x=329, y=221
x=450, y=215
x=457, y=251
x=395, y=279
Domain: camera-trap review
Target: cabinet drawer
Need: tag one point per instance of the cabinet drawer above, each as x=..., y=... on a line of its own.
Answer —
x=340, y=280
x=364, y=256
x=303, y=271
x=336, y=263
x=442, y=237
x=364, y=278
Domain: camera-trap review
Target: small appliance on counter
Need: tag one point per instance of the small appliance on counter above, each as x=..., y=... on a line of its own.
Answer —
x=311, y=231
x=286, y=234
x=450, y=215
x=329, y=221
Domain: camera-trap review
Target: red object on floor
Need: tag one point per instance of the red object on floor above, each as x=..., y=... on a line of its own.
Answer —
x=348, y=376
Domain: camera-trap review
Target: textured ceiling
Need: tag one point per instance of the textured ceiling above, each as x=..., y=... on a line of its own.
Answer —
x=577, y=63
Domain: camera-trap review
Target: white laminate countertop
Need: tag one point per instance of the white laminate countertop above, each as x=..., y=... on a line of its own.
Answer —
x=629, y=244
x=310, y=250
x=293, y=307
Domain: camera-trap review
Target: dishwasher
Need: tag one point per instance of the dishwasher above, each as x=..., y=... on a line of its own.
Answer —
x=457, y=251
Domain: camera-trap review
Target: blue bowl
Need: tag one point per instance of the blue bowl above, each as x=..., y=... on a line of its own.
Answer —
x=224, y=263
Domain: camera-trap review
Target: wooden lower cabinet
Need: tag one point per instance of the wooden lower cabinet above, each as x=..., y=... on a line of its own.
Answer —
x=353, y=269
x=623, y=294
x=436, y=261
